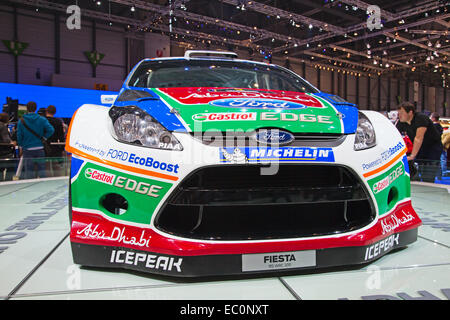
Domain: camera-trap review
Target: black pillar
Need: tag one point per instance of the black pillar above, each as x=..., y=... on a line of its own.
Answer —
x=388, y=105
x=379, y=93
x=357, y=89
x=339, y=84
x=444, y=111
x=423, y=97
x=345, y=86
x=94, y=46
x=332, y=82
x=407, y=90
x=368, y=92
x=57, y=44
x=16, y=38
x=318, y=78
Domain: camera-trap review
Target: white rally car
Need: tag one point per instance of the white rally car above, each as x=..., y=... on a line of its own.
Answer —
x=210, y=165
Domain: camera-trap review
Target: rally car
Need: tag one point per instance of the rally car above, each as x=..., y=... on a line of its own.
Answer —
x=210, y=165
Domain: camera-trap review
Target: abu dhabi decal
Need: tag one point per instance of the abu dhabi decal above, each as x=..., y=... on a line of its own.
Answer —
x=225, y=116
x=257, y=154
x=395, y=221
x=149, y=162
x=207, y=95
x=117, y=235
x=253, y=103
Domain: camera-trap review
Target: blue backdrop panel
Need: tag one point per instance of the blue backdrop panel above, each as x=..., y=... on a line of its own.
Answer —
x=66, y=100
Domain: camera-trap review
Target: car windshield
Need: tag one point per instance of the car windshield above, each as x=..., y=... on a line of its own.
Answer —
x=216, y=73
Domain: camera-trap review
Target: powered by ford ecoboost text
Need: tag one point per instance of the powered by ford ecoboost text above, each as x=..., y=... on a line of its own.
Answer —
x=210, y=165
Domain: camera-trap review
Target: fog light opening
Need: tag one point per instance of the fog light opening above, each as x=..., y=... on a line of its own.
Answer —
x=114, y=203
x=392, y=196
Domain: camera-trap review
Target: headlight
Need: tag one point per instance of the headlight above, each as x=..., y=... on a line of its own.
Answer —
x=135, y=126
x=365, y=133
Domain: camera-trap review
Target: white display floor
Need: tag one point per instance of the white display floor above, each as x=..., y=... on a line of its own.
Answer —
x=36, y=261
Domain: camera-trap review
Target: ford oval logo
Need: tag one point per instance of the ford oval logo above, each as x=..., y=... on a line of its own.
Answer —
x=273, y=136
x=254, y=103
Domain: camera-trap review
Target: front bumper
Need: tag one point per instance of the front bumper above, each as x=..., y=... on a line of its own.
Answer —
x=101, y=242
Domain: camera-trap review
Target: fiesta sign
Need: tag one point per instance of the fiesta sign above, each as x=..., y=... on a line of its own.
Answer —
x=256, y=103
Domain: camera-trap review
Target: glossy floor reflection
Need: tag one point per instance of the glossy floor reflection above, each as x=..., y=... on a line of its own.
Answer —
x=36, y=262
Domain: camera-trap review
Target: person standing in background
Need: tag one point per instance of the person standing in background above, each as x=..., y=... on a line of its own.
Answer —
x=30, y=129
x=446, y=143
x=6, y=149
x=427, y=146
x=55, y=166
x=434, y=117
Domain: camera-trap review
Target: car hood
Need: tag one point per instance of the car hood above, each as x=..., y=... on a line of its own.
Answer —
x=222, y=109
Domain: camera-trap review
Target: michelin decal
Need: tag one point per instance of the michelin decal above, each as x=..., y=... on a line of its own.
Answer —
x=255, y=154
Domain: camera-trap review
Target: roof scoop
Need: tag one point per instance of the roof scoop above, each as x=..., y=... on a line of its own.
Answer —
x=208, y=53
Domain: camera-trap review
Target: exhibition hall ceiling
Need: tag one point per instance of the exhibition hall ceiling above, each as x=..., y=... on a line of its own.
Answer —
x=404, y=37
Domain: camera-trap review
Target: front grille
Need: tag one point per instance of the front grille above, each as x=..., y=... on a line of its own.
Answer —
x=237, y=202
x=244, y=139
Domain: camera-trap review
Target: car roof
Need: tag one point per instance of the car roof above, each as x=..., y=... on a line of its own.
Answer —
x=211, y=59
